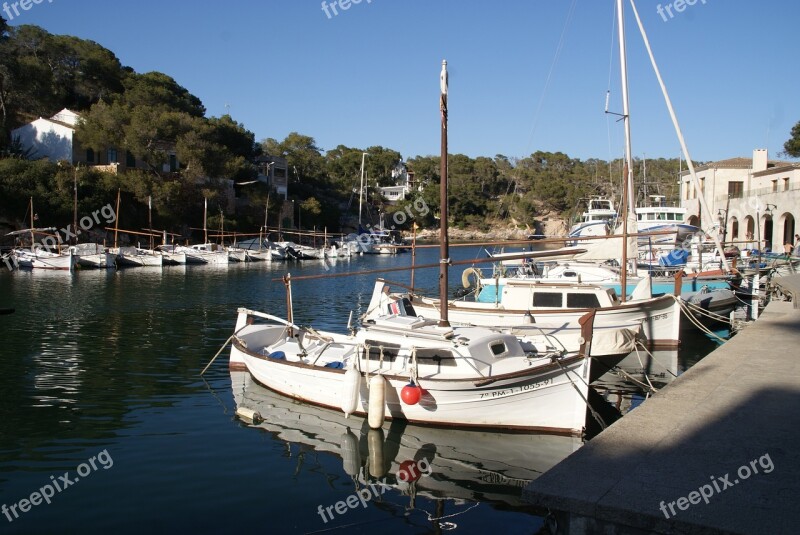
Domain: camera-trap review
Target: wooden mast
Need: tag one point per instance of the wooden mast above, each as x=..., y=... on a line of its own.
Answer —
x=75, y=206
x=32, y=235
x=150, y=218
x=444, y=249
x=116, y=220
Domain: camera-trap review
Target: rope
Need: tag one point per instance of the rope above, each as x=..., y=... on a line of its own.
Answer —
x=702, y=311
x=431, y=518
x=596, y=416
x=697, y=322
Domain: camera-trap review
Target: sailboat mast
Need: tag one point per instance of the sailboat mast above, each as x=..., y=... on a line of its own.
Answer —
x=150, y=218
x=32, y=235
x=205, y=217
x=361, y=188
x=444, y=247
x=75, y=206
x=623, y=67
x=116, y=220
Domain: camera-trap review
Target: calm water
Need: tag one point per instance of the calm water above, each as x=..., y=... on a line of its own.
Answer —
x=103, y=368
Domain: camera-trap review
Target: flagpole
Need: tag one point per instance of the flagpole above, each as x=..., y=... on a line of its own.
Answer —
x=444, y=250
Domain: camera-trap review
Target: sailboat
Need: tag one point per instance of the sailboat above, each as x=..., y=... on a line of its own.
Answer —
x=134, y=256
x=425, y=371
x=206, y=252
x=521, y=301
x=40, y=257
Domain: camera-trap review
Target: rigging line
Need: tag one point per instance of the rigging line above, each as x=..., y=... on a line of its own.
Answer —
x=550, y=72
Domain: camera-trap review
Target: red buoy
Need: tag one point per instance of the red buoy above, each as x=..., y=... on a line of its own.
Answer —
x=411, y=394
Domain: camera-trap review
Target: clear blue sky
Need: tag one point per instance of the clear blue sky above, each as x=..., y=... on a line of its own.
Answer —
x=369, y=75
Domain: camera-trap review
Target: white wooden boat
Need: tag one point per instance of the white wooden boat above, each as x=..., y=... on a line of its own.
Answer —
x=95, y=256
x=470, y=376
x=208, y=253
x=39, y=258
x=172, y=257
x=136, y=257
x=525, y=301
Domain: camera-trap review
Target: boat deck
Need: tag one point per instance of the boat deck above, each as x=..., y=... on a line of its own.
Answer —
x=737, y=408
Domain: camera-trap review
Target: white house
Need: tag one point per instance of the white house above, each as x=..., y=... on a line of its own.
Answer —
x=741, y=191
x=54, y=138
x=51, y=138
x=404, y=184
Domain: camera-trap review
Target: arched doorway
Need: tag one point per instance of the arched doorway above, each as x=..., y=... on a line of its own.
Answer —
x=693, y=220
x=750, y=233
x=734, y=235
x=788, y=227
x=767, y=234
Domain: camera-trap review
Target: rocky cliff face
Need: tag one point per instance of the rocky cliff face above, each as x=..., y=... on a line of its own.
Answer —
x=549, y=226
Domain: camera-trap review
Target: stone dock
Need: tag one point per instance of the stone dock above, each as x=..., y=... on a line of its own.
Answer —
x=716, y=451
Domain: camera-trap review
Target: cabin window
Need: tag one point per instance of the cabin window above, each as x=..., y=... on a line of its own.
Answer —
x=547, y=299
x=498, y=348
x=678, y=217
x=390, y=351
x=582, y=301
x=441, y=357
x=570, y=274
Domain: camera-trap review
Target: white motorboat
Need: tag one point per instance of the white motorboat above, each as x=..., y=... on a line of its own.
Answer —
x=597, y=220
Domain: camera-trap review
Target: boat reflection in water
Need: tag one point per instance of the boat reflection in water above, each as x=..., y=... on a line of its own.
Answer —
x=465, y=465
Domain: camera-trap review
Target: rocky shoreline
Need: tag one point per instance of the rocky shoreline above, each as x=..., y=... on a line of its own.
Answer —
x=548, y=228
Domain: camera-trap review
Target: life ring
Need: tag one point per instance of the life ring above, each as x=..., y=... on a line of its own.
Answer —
x=466, y=275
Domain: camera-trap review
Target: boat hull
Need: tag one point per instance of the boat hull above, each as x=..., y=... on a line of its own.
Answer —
x=542, y=401
x=660, y=319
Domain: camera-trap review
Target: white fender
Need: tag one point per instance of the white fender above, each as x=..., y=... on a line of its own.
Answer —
x=350, y=384
x=377, y=401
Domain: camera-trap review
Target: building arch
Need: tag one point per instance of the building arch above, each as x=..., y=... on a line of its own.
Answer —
x=750, y=233
x=767, y=232
x=787, y=224
x=693, y=220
